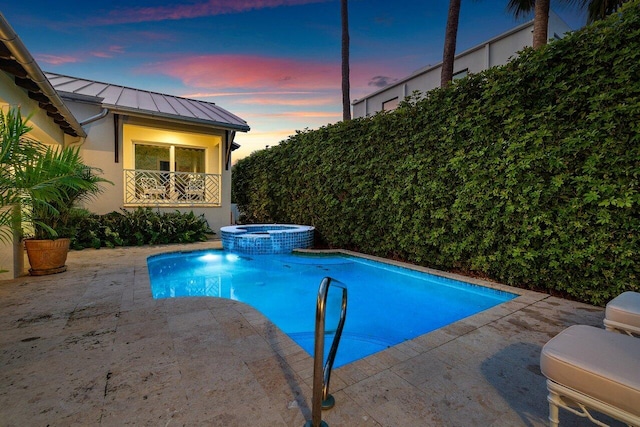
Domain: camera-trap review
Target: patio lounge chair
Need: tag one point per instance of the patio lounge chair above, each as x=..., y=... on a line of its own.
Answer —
x=151, y=188
x=195, y=188
x=623, y=314
x=589, y=368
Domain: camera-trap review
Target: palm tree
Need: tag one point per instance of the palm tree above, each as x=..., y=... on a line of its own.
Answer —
x=599, y=9
x=450, y=39
x=346, y=100
x=38, y=184
x=540, y=19
x=62, y=171
x=15, y=150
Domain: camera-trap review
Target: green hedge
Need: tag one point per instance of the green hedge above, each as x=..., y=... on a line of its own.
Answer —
x=528, y=173
x=138, y=227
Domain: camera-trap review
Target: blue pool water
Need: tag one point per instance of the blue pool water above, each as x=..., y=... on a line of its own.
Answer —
x=387, y=304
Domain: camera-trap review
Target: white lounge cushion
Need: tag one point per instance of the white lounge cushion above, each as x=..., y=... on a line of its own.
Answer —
x=597, y=363
x=623, y=312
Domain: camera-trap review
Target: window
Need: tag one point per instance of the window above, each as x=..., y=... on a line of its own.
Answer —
x=171, y=167
x=158, y=158
x=461, y=74
x=152, y=157
x=189, y=160
x=391, y=104
x=167, y=173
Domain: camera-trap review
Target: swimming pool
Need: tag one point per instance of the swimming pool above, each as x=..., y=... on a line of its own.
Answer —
x=387, y=304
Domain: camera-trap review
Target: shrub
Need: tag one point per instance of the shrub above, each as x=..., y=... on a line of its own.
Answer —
x=139, y=227
x=527, y=173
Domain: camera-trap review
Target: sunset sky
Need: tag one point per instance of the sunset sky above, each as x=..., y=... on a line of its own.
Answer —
x=275, y=63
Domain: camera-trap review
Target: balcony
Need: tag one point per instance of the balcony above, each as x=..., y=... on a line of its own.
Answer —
x=160, y=188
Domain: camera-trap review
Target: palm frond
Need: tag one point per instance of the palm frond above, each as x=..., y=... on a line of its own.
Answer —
x=519, y=8
x=44, y=181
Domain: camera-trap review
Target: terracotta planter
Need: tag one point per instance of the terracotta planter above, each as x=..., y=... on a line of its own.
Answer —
x=47, y=256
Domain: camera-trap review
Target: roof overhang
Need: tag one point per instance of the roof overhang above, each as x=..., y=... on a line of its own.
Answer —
x=16, y=60
x=176, y=119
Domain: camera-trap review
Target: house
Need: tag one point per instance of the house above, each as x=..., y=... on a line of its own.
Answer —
x=496, y=51
x=159, y=150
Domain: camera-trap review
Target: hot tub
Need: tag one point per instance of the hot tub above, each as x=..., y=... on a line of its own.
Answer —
x=263, y=239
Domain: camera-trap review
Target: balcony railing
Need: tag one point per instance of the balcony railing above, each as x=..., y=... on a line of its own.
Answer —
x=148, y=187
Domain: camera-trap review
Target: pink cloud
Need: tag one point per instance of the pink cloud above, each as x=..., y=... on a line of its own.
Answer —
x=242, y=93
x=250, y=72
x=269, y=97
x=99, y=54
x=154, y=35
x=186, y=11
x=110, y=52
x=307, y=114
x=292, y=102
x=57, y=59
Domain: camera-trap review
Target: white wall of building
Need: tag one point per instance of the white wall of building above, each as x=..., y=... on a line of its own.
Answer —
x=497, y=51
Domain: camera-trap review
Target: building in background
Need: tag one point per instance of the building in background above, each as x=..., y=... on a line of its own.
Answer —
x=159, y=150
x=496, y=51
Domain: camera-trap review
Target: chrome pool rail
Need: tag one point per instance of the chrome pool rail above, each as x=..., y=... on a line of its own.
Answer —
x=321, y=399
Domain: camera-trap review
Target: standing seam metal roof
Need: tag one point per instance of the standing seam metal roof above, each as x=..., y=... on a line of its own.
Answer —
x=126, y=99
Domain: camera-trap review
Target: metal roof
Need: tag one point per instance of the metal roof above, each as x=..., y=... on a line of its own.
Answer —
x=122, y=99
x=16, y=60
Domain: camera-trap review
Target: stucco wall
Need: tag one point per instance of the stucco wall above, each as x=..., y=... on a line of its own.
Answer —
x=44, y=130
x=13, y=260
x=99, y=150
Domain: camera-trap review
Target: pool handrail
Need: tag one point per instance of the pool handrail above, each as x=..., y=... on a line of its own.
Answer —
x=321, y=399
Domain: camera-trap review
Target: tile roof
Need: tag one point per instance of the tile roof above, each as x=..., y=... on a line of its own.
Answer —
x=125, y=99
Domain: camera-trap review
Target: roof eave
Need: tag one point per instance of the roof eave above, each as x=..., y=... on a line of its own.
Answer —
x=177, y=119
x=24, y=59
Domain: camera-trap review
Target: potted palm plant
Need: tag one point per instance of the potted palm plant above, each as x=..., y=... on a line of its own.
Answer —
x=40, y=186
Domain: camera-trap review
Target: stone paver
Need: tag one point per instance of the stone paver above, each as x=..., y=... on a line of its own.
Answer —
x=92, y=347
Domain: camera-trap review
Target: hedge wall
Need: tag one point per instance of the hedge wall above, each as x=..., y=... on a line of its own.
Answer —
x=527, y=173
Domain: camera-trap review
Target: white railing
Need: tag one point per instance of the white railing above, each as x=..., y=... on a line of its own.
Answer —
x=147, y=187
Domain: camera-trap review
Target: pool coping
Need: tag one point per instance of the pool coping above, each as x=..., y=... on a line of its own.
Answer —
x=520, y=297
x=440, y=273
x=108, y=354
x=352, y=372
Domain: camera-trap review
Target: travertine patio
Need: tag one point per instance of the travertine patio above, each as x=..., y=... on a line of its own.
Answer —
x=92, y=347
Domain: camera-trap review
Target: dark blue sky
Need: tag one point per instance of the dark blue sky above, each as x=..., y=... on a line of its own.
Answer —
x=275, y=63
